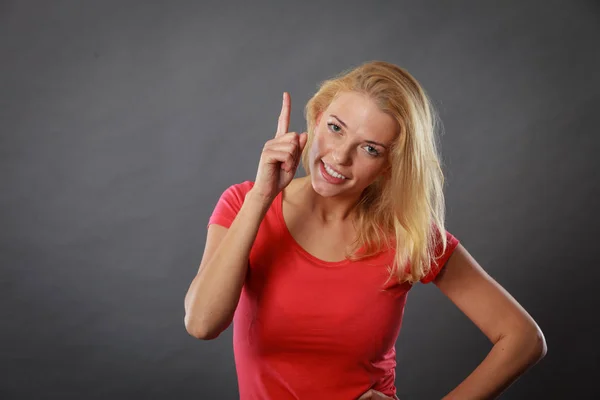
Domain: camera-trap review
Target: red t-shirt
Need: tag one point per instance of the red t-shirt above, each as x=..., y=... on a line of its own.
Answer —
x=305, y=328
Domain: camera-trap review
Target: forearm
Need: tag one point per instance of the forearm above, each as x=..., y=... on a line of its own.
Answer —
x=214, y=293
x=509, y=358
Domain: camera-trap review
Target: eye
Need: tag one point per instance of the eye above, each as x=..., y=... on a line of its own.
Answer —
x=332, y=125
x=337, y=129
x=373, y=153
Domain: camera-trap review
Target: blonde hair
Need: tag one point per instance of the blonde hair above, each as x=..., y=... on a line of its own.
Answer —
x=407, y=206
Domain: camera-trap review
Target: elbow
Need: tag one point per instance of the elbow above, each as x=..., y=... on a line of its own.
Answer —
x=535, y=344
x=199, y=331
x=540, y=346
x=201, y=334
x=528, y=342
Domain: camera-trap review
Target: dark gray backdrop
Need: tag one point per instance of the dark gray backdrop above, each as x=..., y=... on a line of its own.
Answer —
x=123, y=121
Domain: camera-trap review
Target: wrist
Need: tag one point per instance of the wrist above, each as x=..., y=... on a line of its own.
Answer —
x=259, y=199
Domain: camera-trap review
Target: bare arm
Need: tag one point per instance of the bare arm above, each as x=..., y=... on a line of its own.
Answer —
x=215, y=291
x=213, y=296
x=518, y=341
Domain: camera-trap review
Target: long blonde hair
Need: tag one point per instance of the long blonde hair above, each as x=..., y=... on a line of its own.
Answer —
x=407, y=206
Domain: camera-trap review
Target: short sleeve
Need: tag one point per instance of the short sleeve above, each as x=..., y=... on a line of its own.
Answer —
x=229, y=204
x=441, y=259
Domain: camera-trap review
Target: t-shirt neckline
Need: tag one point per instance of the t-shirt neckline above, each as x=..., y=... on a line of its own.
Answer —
x=296, y=245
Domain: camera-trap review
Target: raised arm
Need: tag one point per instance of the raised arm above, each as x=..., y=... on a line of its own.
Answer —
x=215, y=291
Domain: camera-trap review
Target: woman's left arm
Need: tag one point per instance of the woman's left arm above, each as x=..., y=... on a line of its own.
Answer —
x=518, y=341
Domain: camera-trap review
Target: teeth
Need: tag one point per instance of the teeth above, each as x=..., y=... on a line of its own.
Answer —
x=333, y=173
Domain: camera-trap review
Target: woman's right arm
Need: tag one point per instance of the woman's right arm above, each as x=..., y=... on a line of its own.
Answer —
x=215, y=291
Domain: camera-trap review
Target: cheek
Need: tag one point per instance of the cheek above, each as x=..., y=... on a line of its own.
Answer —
x=323, y=142
x=314, y=149
x=318, y=145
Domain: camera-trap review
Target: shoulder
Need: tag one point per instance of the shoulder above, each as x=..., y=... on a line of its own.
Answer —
x=238, y=190
x=242, y=187
x=234, y=195
x=229, y=203
x=441, y=255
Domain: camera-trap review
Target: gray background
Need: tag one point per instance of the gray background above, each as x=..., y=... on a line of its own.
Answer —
x=122, y=122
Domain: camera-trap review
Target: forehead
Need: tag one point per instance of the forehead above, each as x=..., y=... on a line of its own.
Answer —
x=363, y=117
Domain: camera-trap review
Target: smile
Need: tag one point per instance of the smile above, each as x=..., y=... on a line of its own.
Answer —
x=331, y=172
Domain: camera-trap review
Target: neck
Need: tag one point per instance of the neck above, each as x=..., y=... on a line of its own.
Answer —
x=329, y=210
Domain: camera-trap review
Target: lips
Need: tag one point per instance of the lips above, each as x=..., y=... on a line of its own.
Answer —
x=329, y=165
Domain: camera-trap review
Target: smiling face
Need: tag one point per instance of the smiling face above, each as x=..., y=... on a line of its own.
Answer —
x=353, y=137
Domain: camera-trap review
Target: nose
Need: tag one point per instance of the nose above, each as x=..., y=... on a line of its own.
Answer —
x=341, y=155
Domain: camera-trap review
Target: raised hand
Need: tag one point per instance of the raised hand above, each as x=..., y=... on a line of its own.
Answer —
x=280, y=156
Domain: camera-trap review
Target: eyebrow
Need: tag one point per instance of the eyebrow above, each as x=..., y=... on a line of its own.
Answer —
x=368, y=141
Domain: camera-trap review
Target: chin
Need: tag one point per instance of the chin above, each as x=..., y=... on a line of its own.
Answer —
x=326, y=189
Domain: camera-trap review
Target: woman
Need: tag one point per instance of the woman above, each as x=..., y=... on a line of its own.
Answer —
x=314, y=271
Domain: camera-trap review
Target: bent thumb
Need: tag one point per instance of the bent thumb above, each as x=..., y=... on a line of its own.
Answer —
x=302, y=140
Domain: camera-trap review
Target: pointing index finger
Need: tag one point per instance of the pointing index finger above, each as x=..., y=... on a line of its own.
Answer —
x=284, y=116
